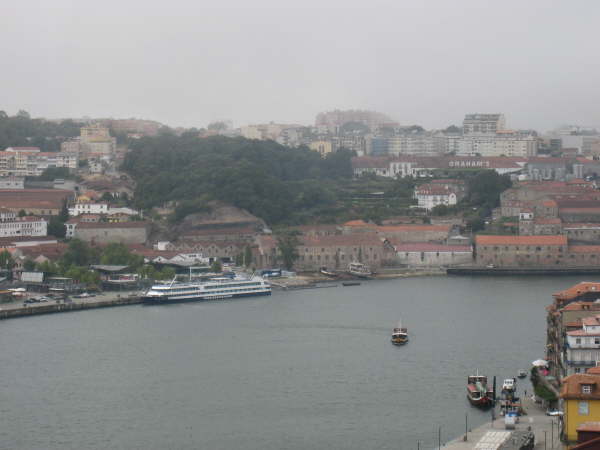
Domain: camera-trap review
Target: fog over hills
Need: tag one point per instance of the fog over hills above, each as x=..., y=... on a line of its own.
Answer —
x=188, y=63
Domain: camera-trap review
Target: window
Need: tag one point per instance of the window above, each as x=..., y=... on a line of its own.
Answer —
x=578, y=341
x=584, y=408
x=586, y=389
x=596, y=341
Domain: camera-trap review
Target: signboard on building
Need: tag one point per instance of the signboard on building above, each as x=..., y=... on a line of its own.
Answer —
x=32, y=277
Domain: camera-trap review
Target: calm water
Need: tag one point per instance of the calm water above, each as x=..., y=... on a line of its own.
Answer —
x=310, y=369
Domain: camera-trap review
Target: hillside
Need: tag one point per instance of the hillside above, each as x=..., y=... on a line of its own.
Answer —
x=280, y=185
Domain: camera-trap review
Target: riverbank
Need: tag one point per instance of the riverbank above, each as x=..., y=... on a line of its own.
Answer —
x=14, y=310
x=545, y=428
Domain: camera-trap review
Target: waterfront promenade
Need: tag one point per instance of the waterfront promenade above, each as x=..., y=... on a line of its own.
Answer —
x=104, y=300
x=545, y=428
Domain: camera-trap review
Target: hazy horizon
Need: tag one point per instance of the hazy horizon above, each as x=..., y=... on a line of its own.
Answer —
x=187, y=64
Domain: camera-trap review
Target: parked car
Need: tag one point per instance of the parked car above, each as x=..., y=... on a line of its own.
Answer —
x=554, y=412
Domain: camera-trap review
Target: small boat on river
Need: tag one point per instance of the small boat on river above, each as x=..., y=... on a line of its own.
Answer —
x=360, y=270
x=328, y=273
x=522, y=373
x=351, y=283
x=478, y=392
x=399, y=335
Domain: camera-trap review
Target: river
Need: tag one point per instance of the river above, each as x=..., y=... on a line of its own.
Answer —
x=308, y=369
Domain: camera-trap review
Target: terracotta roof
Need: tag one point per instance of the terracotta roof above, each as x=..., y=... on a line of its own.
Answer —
x=583, y=333
x=482, y=239
x=593, y=370
x=358, y=223
x=50, y=251
x=429, y=247
x=547, y=221
x=361, y=239
x=590, y=426
x=591, y=321
x=579, y=306
x=414, y=228
x=585, y=210
x=584, y=248
x=370, y=162
x=549, y=204
x=116, y=225
x=571, y=387
x=577, y=290
x=574, y=225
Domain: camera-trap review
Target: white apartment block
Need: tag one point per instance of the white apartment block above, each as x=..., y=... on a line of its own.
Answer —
x=27, y=161
x=513, y=145
x=12, y=226
x=429, y=196
x=583, y=346
x=483, y=123
x=12, y=183
x=88, y=208
x=416, y=144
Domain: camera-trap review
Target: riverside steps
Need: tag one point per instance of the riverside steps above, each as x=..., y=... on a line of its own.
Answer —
x=14, y=310
x=545, y=428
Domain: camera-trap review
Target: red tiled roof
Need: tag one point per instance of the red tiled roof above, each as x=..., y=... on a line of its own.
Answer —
x=429, y=247
x=370, y=162
x=569, y=226
x=584, y=248
x=92, y=225
x=548, y=221
x=583, y=333
x=571, y=387
x=590, y=426
x=595, y=209
x=591, y=321
x=577, y=290
x=413, y=227
x=593, y=371
x=579, y=306
x=358, y=223
x=549, y=203
x=482, y=239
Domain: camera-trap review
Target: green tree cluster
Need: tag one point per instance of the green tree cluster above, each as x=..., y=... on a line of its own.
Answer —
x=279, y=184
x=23, y=131
x=287, y=245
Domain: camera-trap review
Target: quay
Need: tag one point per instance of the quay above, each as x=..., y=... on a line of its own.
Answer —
x=546, y=430
x=14, y=310
x=511, y=271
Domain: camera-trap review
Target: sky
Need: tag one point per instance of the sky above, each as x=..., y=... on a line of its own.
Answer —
x=187, y=63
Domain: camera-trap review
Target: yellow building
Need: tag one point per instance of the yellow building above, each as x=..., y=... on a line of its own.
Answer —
x=580, y=394
x=323, y=147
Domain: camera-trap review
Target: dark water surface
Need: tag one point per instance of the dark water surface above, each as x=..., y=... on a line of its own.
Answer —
x=311, y=369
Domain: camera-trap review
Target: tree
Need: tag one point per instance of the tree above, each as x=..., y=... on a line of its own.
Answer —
x=107, y=197
x=79, y=253
x=56, y=227
x=216, y=266
x=287, y=244
x=63, y=216
x=439, y=210
x=22, y=213
x=29, y=265
x=453, y=129
x=48, y=267
x=119, y=254
x=484, y=189
x=217, y=126
x=247, y=256
x=6, y=260
x=52, y=173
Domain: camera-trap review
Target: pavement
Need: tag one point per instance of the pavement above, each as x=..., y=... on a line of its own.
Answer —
x=105, y=296
x=545, y=428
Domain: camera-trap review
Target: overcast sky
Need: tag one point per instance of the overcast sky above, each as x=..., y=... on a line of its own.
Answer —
x=188, y=62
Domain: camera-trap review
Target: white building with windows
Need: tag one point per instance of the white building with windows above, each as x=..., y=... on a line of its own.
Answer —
x=431, y=195
x=88, y=208
x=583, y=346
x=13, y=226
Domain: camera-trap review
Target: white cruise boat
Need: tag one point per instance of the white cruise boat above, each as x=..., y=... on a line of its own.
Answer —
x=213, y=289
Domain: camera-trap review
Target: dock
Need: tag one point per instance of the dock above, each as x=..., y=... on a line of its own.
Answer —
x=15, y=310
x=545, y=428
